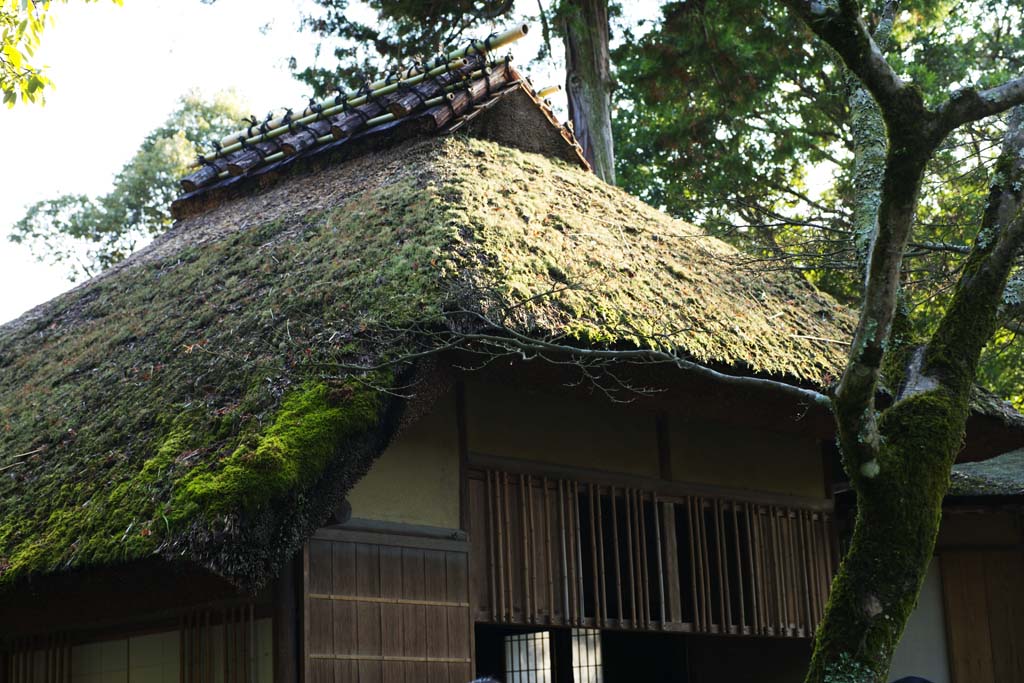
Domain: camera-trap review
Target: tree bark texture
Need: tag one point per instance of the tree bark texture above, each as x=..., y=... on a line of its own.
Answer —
x=900, y=491
x=588, y=81
x=899, y=458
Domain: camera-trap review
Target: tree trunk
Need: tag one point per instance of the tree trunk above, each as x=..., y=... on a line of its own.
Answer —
x=900, y=491
x=588, y=81
x=898, y=514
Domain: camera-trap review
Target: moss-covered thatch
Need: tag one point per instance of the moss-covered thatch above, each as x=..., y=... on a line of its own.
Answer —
x=194, y=402
x=999, y=476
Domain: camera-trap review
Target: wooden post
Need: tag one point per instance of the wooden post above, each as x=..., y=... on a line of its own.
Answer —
x=286, y=649
x=526, y=548
x=603, y=600
x=698, y=621
x=626, y=503
x=548, y=552
x=615, y=551
x=674, y=593
x=739, y=565
x=462, y=436
x=595, y=568
x=723, y=576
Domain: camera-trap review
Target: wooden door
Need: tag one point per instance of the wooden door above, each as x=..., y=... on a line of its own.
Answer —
x=386, y=608
x=984, y=601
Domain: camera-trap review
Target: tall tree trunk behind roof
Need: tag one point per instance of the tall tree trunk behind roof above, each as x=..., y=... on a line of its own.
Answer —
x=588, y=81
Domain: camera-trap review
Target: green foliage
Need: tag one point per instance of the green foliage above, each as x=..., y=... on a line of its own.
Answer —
x=290, y=454
x=21, y=28
x=88, y=234
x=730, y=116
x=403, y=31
x=723, y=110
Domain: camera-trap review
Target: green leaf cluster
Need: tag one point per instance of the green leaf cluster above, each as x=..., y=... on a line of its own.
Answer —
x=21, y=28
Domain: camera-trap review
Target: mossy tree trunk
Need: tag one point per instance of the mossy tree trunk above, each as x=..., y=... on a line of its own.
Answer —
x=588, y=81
x=899, y=459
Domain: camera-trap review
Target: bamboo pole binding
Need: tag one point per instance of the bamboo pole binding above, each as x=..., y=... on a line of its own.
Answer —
x=331, y=105
x=442, y=109
x=544, y=92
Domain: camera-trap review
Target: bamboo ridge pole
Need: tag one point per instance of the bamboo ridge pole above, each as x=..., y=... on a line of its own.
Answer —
x=284, y=126
x=332, y=105
x=454, y=92
x=449, y=95
x=544, y=92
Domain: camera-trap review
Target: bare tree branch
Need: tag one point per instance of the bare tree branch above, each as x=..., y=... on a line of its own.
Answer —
x=482, y=332
x=844, y=30
x=969, y=104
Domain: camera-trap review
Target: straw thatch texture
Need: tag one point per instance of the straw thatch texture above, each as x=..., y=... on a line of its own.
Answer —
x=196, y=402
x=999, y=476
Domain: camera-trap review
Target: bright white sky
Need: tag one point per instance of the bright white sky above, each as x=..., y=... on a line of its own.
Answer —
x=119, y=72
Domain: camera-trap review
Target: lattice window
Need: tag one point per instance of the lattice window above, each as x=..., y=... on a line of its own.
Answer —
x=554, y=551
x=587, y=666
x=528, y=658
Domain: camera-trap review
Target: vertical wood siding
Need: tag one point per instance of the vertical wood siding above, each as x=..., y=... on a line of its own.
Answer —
x=984, y=602
x=39, y=660
x=559, y=551
x=386, y=609
x=217, y=645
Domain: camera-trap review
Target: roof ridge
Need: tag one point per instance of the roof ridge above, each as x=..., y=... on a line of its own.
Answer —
x=441, y=96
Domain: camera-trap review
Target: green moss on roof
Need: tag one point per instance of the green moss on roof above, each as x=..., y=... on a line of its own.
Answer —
x=999, y=476
x=627, y=273
x=193, y=402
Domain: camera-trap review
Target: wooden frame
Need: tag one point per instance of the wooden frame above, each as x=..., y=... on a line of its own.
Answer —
x=598, y=551
x=482, y=461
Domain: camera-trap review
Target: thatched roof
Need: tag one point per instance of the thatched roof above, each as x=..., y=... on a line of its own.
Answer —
x=202, y=400
x=195, y=401
x=999, y=476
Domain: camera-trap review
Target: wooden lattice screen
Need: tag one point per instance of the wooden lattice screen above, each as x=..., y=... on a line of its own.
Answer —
x=217, y=645
x=39, y=660
x=383, y=608
x=214, y=645
x=558, y=551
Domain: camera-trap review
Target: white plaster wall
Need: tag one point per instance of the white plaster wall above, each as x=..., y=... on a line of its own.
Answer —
x=922, y=652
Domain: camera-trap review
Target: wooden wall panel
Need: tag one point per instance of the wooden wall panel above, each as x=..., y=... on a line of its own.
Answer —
x=567, y=552
x=984, y=603
x=387, y=609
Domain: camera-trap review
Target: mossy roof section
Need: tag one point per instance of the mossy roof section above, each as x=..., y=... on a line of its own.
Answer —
x=984, y=402
x=193, y=402
x=999, y=476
